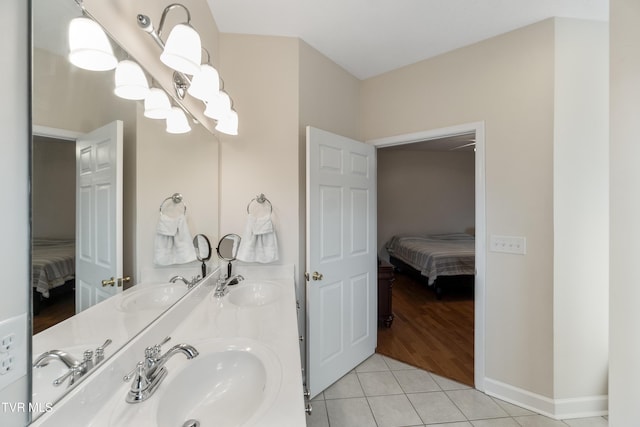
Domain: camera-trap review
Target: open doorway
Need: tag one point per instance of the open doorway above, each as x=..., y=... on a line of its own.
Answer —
x=435, y=197
x=53, y=230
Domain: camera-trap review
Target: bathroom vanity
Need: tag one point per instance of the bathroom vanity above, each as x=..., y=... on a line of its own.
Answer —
x=247, y=370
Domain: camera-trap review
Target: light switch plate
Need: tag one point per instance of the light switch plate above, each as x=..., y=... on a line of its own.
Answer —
x=508, y=244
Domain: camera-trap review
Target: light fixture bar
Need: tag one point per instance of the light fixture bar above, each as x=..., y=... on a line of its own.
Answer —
x=182, y=81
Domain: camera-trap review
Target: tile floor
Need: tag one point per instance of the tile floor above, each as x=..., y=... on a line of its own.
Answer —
x=382, y=392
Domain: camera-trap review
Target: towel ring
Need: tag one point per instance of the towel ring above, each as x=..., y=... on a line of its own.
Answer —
x=175, y=198
x=260, y=198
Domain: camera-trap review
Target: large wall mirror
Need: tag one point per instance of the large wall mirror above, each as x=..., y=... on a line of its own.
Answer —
x=69, y=103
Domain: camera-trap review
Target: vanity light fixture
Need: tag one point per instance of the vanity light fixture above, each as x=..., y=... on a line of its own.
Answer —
x=157, y=104
x=177, y=121
x=131, y=83
x=182, y=53
x=89, y=46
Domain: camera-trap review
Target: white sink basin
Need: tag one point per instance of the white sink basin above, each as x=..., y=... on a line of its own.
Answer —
x=152, y=296
x=226, y=385
x=253, y=293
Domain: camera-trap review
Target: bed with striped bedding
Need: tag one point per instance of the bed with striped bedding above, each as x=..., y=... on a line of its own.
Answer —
x=53, y=262
x=434, y=255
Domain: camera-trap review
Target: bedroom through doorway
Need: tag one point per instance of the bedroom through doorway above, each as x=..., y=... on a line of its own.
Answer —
x=53, y=230
x=428, y=210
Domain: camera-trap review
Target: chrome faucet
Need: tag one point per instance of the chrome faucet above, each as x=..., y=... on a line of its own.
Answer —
x=64, y=357
x=190, y=284
x=148, y=374
x=224, y=283
x=76, y=368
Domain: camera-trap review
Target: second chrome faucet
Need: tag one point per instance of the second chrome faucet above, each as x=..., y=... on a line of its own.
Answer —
x=148, y=374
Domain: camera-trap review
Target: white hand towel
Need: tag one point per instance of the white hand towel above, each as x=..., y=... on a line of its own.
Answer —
x=259, y=242
x=173, y=243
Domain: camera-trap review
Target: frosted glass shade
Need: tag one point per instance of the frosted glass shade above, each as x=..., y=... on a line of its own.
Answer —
x=131, y=82
x=182, y=51
x=89, y=47
x=205, y=85
x=228, y=124
x=219, y=106
x=157, y=104
x=177, y=121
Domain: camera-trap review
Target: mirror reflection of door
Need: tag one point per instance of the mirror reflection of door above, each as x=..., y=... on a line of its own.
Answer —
x=98, y=215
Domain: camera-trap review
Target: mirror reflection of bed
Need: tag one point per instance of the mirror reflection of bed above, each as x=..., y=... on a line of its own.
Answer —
x=426, y=217
x=53, y=228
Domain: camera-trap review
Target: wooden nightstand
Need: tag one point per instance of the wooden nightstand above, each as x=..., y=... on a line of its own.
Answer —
x=385, y=283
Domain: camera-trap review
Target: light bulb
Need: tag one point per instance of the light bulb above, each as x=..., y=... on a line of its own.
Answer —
x=182, y=51
x=157, y=104
x=228, y=124
x=131, y=82
x=205, y=84
x=177, y=121
x=89, y=47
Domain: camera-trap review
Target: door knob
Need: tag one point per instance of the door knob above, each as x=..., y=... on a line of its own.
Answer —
x=112, y=282
x=316, y=276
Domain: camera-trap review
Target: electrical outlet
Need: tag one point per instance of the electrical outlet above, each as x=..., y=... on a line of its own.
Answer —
x=508, y=244
x=6, y=364
x=7, y=342
x=13, y=349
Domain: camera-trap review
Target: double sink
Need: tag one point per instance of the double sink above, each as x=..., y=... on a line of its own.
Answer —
x=243, y=341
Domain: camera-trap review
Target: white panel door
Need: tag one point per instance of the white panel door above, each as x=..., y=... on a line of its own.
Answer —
x=98, y=214
x=341, y=249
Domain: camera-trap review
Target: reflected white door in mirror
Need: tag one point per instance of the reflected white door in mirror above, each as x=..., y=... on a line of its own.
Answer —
x=98, y=215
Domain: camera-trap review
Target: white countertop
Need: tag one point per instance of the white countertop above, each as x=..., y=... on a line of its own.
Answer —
x=198, y=319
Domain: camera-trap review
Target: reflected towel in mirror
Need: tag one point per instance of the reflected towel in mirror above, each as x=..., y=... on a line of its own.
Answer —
x=173, y=243
x=259, y=242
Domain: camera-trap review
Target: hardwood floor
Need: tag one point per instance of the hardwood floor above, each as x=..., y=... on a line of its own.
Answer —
x=435, y=335
x=54, y=311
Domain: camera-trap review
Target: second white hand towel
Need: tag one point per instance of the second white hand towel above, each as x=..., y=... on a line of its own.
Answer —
x=259, y=242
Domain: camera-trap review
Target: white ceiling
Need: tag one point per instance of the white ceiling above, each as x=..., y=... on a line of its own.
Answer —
x=371, y=37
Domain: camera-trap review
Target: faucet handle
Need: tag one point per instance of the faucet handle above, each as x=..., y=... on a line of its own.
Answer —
x=151, y=353
x=99, y=353
x=61, y=379
x=138, y=370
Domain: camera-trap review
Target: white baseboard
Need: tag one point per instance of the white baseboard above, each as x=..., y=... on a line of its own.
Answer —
x=559, y=409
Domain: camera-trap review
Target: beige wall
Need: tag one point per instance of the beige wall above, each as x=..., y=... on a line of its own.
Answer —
x=53, y=183
x=424, y=192
x=262, y=74
x=507, y=82
x=624, y=351
x=167, y=164
x=70, y=98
